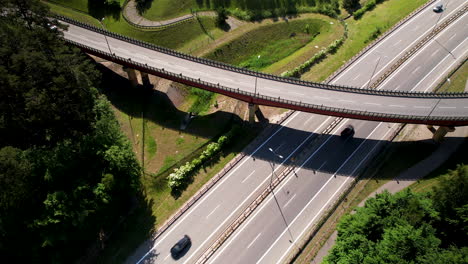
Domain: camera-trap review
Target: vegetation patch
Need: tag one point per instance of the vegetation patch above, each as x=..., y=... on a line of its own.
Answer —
x=178, y=180
x=80, y=5
x=384, y=16
x=368, y=6
x=264, y=46
x=408, y=227
x=66, y=170
x=458, y=81
x=246, y=10
x=319, y=56
x=177, y=37
x=73, y=14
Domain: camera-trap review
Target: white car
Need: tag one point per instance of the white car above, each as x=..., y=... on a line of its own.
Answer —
x=53, y=27
x=438, y=8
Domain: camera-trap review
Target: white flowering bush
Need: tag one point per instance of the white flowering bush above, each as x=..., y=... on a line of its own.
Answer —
x=181, y=174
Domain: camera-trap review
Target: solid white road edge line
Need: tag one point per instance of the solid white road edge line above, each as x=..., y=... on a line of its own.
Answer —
x=434, y=68
x=303, y=231
x=319, y=191
x=415, y=55
x=260, y=185
x=211, y=260
x=389, y=36
x=447, y=69
x=215, y=187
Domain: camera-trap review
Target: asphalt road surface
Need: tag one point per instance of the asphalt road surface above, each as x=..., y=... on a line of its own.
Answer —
x=370, y=103
x=269, y=234
x=209, y=216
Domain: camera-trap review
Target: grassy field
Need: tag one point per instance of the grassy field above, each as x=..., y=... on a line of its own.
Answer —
x=165, y=9
x=458, y=80
x=172, y=37
x=81, y=5
x=160, y=206
x=383, y=17
x=264, y=46
x=60, y=10
x=182, y=37
x=329, y=32
x=431, y=180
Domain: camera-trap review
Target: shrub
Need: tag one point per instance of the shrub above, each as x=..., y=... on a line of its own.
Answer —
x=367, y=7
x=335, y=45
x=221, y=17
x=183, y=173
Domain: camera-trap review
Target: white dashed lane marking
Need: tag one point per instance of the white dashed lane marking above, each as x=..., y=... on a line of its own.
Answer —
x=251, y=243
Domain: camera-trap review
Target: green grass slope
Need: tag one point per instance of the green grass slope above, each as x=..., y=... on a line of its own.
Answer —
x=166, y=9
x=264, y=46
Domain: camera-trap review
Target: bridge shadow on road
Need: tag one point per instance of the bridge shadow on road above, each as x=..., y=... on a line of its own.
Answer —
x=336, y=156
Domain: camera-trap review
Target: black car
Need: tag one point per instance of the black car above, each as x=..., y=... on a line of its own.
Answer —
x=347, y=131
x=180, y=247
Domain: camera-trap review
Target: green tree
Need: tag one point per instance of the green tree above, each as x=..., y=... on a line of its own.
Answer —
x=66, y=170
x=47, y=92
x=351, y=5
x=221, y=17
x=388, y=229
x=450, y=198
x=18, y=189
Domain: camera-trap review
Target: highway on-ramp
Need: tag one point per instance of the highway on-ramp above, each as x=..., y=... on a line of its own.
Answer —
x=211, y=214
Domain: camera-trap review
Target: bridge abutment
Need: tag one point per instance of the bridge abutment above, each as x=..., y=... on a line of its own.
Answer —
x=439, y=133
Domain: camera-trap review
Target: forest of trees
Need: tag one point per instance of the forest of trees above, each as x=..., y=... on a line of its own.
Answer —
x=66, y=171
x=407, y=227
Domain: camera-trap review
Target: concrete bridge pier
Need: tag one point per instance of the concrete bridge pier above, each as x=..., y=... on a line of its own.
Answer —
x=439, y=133
x=252, y=109
x=132, y=77
x=145, y=79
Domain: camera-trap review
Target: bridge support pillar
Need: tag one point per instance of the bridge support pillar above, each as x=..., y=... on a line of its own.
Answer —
x=145, y=79
x=440, y=133
x=252, y=109
x=132, y=77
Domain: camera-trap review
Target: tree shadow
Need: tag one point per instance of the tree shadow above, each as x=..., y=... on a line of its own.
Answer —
x=225, y=27
x=135, y=227
x=143, y=5
x=102, y=8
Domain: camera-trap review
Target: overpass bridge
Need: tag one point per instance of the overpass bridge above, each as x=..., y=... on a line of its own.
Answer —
x=256, y=88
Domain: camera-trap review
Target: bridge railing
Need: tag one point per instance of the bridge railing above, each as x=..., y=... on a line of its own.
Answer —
x=265, y=99
x=342, y=88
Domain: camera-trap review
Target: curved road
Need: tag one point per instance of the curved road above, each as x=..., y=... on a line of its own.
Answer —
x=283, y=92
x=211, y=214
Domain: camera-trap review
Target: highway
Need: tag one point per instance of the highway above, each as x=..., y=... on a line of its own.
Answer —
x=268, y=235
x=283, y=93
x=211, y=214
